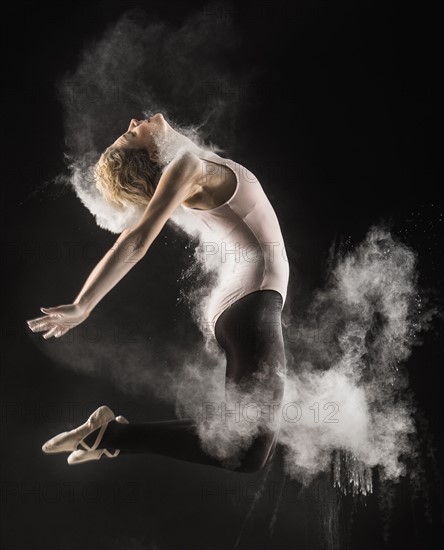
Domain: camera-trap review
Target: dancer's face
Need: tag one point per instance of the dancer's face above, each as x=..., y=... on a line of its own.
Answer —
x=144, y=134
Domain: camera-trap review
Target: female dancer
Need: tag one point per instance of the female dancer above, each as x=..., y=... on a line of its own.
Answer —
x=155, y=166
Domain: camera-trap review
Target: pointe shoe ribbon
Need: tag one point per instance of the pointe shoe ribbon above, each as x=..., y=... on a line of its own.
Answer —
x=79, y=456
x=69, y=441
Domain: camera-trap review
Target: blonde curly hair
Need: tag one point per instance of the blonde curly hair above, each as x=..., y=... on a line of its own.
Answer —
x=126, y=176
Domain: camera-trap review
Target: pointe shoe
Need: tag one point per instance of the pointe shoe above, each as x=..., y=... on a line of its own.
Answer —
x=69, y=441
x=79, y=456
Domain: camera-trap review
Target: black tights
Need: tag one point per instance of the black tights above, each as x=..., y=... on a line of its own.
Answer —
x=250, y=333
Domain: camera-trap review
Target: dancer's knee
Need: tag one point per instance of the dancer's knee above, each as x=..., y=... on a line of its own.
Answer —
x=248, y=468
x=252, y=467
x=257, y=462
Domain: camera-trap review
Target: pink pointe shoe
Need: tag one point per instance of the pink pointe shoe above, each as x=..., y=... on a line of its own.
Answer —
x=93, y=453
x=69, y=441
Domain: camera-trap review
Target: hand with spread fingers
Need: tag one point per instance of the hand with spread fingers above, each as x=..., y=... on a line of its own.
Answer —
x=57, y=321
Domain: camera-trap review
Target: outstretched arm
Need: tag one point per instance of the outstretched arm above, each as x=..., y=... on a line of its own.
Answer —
x=174, y=187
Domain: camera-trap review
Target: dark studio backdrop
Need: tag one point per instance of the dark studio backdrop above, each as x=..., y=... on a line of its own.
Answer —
x=337, y=119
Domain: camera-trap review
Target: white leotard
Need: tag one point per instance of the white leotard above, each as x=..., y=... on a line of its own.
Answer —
x=242, y=239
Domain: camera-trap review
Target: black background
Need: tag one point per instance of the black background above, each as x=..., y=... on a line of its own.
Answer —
x=341, y=123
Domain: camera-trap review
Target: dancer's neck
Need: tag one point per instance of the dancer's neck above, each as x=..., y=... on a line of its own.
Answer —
x=175, y=144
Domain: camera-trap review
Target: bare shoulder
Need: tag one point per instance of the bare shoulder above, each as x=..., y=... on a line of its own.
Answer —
x=186, y=164
x=179, y=179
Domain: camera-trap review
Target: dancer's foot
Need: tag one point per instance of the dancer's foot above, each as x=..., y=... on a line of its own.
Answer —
x=102, y=448
x=106, y=438
x=69, y=441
